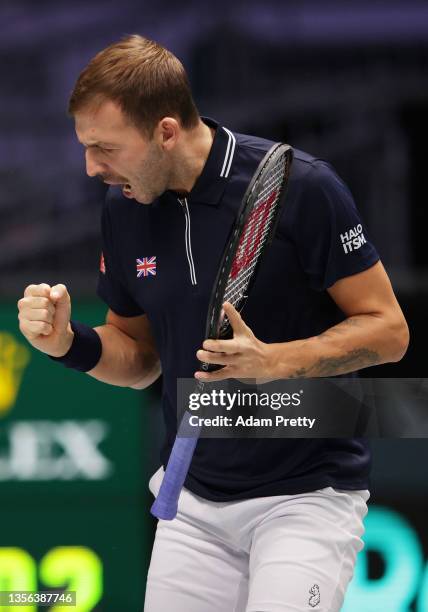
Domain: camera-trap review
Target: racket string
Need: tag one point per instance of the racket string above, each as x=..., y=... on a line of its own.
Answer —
x=251, y=234
x=254, y=235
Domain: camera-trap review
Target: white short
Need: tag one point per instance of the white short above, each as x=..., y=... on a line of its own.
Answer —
x=269, y=554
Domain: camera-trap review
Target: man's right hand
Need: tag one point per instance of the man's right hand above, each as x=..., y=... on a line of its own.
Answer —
x=44, y=318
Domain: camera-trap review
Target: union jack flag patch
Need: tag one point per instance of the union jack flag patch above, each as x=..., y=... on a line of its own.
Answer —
x=146, y=266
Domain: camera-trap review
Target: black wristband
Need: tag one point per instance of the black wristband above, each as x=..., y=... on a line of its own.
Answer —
x=85, y=350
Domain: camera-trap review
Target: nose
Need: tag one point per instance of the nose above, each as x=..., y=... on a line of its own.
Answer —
x=93, y=166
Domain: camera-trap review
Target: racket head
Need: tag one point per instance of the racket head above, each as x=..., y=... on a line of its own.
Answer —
x=254, y=229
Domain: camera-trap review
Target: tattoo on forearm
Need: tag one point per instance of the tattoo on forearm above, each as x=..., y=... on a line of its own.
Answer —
x=331, y=366
x=340, y=328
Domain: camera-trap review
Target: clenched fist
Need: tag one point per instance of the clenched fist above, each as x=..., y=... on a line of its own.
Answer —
x=44, y=318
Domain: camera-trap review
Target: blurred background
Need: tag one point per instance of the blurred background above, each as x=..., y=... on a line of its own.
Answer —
x=344, y=81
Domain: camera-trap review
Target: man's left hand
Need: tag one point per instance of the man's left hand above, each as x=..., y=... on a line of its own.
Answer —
x=243, y=356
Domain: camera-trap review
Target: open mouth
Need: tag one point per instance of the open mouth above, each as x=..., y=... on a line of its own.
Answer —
x=127, y=190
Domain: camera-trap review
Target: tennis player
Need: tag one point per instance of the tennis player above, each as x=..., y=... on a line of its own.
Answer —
x=264, y=525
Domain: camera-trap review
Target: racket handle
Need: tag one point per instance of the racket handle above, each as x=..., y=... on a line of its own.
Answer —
x=166, y=504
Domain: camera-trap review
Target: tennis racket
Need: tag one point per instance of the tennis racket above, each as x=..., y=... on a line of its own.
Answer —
x=252, y=232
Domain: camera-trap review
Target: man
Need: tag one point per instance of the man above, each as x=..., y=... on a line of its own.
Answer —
x=263, y=525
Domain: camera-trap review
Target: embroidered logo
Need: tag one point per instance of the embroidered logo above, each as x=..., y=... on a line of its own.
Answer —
x=102, y=264
x=146, y=266
x=353, y=239
x=315, y=597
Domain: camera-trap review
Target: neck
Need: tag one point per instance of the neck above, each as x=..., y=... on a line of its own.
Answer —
x=191, y=158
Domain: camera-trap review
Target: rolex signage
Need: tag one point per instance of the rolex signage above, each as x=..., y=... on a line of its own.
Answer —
x=50, y=450
x=44, y=449
x=74, y=495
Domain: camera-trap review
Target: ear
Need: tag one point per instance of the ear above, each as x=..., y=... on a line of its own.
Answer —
x=167, y=133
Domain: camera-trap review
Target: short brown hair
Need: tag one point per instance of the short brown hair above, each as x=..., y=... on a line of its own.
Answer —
x=145, y=79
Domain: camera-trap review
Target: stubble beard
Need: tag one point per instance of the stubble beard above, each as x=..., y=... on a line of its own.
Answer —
x=153, y=175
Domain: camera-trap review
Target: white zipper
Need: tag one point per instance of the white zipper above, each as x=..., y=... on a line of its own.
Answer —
x=188, y=241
